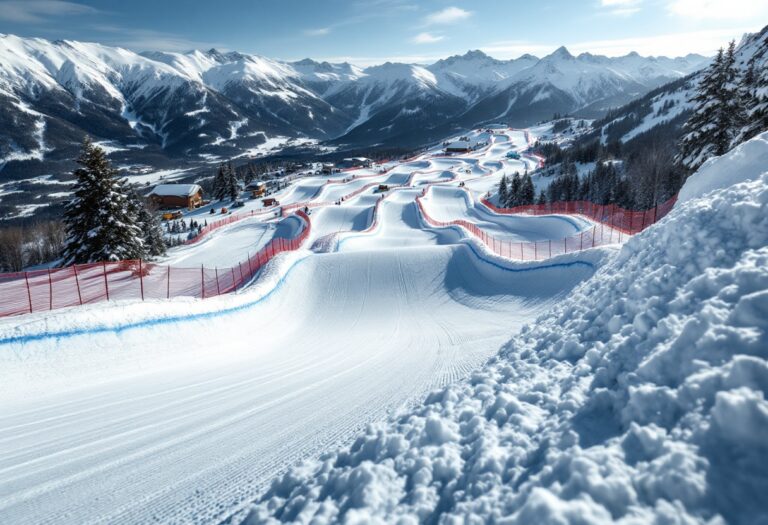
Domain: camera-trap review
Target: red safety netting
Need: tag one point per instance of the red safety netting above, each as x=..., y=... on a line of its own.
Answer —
x=626, y=221
x=215, y=225
x=614, y=225
x=42, y=290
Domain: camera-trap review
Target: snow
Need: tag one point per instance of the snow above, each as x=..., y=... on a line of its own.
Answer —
x=747, y=161
x=639, y=398
x=632, y=389
x=175, y=190
x=110, y=146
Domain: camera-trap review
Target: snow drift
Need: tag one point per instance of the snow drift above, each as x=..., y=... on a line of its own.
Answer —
x=639, y=399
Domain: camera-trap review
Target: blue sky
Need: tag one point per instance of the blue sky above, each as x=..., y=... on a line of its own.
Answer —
x=373, y=31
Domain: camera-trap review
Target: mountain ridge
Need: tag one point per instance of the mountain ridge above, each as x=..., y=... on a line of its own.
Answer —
x=163, y=110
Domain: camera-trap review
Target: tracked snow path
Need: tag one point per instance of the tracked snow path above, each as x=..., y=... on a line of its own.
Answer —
x=187, y=421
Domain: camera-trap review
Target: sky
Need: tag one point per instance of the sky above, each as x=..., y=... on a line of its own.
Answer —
x=367, y=32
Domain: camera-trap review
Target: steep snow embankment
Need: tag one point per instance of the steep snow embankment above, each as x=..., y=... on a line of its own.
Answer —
x=639, y=399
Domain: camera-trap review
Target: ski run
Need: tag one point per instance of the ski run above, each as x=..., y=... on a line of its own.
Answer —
x=394, y=372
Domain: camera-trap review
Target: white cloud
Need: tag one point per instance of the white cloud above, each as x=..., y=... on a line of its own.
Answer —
x=426, y=38
x=37, y=11
x=626, y=11
x=719, y=9
x=449, y=15
x=623, y=8
x=149, y=40
x=321, y=31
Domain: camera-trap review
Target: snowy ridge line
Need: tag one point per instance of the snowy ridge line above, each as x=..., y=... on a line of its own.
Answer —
x=227, y=221
x=625, y=221
x=45, y=290
x=527, y=251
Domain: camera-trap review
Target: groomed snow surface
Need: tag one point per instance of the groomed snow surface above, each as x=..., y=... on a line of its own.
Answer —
x=184, y=411
x=632, y=394
x=639, y=399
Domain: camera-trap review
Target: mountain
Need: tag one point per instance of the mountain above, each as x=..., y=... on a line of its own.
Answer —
x=584, y=85
x=662, y=111
x=160, y=110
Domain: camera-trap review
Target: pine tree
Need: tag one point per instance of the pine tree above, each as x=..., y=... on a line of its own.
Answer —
x=232, y=184
x=99, y=222
x=149, y=225
x=514, y=191
x=152, y=232
x=542, y=198
x=219, y=191
x=732, y=116
x=503, y=191
x=527, y=191
x=754, y=95
x=250, y=174
x=713, y=124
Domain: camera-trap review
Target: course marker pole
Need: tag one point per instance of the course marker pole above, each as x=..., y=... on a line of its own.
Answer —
x=106, y=283
x=29, y=294
x=77, y=283
x=141, y=279
x=50, y=291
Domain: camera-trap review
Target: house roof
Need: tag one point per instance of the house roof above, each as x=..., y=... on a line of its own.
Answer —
x=175, y=190
x=460, y=144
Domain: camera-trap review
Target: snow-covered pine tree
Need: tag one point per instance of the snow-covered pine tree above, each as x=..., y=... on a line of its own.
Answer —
x=514, y=191
x=220, y=184
x=232, y=184
x=152, y=232
x=732, y=116
x=99, y=223
x=754, y=94
x=527, y=191
x=503, y=191
x=712, y=126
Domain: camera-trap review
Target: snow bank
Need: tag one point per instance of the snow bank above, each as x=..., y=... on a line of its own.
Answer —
x=639, y=399
x=747, y=161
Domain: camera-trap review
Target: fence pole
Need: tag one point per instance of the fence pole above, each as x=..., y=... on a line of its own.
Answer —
x=106, y=283
x=141, y=279
x=50, y=290
x=29, y=293
x=202, y=281
x=168, y=284
x=218, y=290
x=77, y=283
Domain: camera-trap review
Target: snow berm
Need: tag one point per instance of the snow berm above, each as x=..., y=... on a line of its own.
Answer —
x=639, y=399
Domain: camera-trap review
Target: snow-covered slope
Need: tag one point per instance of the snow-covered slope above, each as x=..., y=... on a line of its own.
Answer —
x=585, y=85
x=160, y=110
x=669, y=105
x=640, y=399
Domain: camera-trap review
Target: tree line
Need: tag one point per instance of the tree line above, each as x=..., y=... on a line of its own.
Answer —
x=730, y=106
x=516, y=191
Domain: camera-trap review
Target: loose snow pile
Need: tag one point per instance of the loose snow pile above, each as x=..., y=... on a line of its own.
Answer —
x=640, y=399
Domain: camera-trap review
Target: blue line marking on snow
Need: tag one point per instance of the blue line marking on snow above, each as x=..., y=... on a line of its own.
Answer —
x=153, y=322
x=245, y=306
